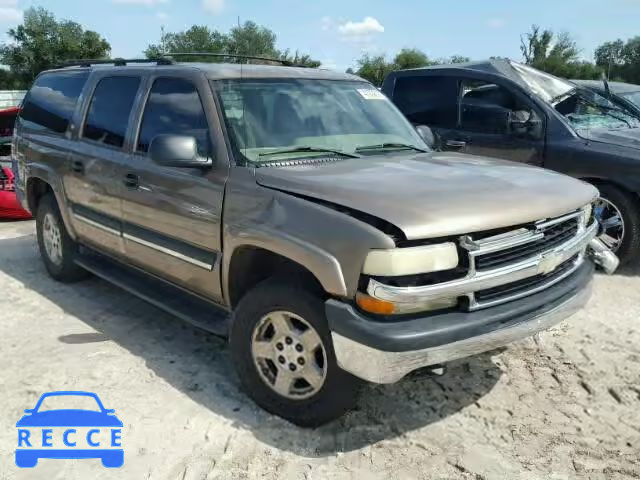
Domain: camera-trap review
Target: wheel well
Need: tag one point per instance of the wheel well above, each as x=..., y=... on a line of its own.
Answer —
x=251, y=265
x=601, y=182
x=36, y=189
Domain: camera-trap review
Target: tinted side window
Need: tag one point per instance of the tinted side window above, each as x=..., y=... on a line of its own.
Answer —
x=50, y=103
x=427, y=100
x=109, y=110
x=174, y=106
x=487, y=107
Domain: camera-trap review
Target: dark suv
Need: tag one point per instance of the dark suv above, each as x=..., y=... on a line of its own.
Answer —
x=297, y=212
x=504, y=109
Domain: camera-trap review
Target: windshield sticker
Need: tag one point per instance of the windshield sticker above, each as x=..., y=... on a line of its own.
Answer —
x=371, y=94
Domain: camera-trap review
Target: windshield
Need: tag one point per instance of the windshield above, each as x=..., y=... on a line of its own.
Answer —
x=633, y=97
x=66, y=402
x=275, y=119
x=542, y=84
x=587, y=109
x=584, y=108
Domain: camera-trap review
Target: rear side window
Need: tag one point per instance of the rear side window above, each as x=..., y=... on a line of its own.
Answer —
x=108, y=114
x=174, y=107
x=428, y=100
x=50, y=103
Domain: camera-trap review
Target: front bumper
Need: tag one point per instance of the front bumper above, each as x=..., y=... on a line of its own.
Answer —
x=386, y=351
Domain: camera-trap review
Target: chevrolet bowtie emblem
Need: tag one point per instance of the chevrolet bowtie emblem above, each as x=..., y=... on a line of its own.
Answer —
x=549, y=262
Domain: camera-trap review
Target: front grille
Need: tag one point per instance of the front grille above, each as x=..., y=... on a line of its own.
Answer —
x=526, y=286
x=554, y=235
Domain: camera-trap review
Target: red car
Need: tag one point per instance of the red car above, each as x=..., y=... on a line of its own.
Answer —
x=9, y=206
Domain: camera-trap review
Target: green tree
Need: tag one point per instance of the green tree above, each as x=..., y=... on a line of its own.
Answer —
x=10, y=81
x=631, y=58
x=42, y=41
x=298, y=59
x=610, y=56
x=198, y=38
x=557, y=54
x=252, y=39
x=374, y=69
x=411, y=58
x=247, y=39
x=459, y=59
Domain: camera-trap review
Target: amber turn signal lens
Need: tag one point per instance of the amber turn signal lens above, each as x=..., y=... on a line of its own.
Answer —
x=373, y=305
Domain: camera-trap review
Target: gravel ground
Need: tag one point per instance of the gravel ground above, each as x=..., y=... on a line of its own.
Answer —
x=563, y=405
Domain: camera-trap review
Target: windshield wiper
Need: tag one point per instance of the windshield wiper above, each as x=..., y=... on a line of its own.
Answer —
x=304, y=149
x=606, y=108
x=399, y=146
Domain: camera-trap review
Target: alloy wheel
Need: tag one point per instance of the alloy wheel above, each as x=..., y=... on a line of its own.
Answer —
x=611, y=223
x=52, y=238
x=289, y=355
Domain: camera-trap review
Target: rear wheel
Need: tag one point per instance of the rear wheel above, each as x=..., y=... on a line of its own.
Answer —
x=282, y=351
x=618, y=213
x=57, y=248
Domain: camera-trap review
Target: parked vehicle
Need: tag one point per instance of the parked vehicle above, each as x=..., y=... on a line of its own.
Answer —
x=297, y=212
x=503, y=109
x=624, y=95
x=10, y=207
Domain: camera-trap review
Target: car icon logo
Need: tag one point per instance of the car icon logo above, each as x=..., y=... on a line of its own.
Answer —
x=66, y=433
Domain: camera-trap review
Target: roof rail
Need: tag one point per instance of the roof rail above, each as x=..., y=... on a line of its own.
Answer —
x=286, y=63
x=118, y=62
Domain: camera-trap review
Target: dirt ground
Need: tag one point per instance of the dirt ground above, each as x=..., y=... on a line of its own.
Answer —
x=564, y=405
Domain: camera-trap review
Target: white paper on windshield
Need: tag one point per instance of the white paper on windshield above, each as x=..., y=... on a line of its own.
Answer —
x=371, y=94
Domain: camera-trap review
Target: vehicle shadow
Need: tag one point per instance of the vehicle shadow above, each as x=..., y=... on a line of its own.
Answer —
x=630, y=270
x=197, y=364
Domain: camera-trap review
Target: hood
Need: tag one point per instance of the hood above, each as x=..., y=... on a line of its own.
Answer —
x=435, y=194
x=629, y=137
x=69, y=418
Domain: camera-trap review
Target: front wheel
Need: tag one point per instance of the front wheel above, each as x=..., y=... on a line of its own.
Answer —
x=282, y=351
x=619, y=216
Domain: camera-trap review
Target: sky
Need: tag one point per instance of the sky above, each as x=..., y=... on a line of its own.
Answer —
x=338, y=32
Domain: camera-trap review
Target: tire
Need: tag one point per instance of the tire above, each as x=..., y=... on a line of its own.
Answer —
x=629, y=208
x=338, y=391
x=59, y=259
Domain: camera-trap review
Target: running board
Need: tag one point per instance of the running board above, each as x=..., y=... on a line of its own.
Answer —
x=195, y=310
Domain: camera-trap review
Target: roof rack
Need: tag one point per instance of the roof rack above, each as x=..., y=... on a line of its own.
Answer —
x=166, y=59
x=118, y=62
x=286, y=63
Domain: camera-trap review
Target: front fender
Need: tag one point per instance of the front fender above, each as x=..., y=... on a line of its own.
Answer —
x=332, y=245
x=320, y=263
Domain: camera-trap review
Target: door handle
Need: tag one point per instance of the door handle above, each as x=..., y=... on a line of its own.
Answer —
x=77, y=166
x=459, y=144
x=131, y=180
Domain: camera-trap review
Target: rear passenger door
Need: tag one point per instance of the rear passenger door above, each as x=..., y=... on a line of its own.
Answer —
x=172, y=216
x=94, y=182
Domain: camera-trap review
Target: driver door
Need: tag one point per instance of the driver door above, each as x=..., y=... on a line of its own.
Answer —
x=172, y=216
x=495, y=122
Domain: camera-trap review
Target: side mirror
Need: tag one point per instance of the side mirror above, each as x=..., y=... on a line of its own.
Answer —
x=524, y=123
x=427, y=135
x=177, y=151
x=28, y=410
x=109, y=411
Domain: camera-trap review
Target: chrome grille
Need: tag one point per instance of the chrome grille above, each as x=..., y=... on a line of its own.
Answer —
x=527, y=286
x=554, y=235
x=507, y=250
